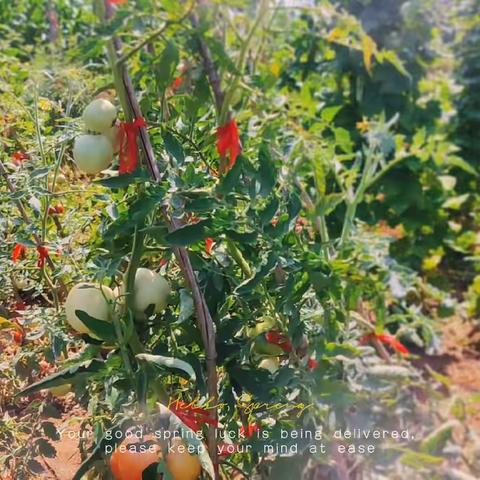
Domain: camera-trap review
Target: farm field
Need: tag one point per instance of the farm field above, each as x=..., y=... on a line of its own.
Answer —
x=240, y=239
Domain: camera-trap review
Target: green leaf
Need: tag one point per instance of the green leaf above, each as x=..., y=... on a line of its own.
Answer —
x=166, y=66
x=455, y=203
x=63, y=377
x=266, y=215
x=459, y=162
x=123, y=181
x=249, y=284
x=328, y=114
x=101, y=329
x=169, y=362
x=46, y=448
x=188, y=234
x=418, y=460
x=266, y=171
x=173, y=147
x=186, y=305
x=434, y=443
x=231, y=179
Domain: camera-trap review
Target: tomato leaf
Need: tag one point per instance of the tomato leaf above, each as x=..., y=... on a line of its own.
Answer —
x=169, y=362
x=188, y=234
x=69, y=375
x=99, y=328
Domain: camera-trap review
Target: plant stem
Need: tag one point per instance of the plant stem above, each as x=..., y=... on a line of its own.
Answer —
x=238, y=257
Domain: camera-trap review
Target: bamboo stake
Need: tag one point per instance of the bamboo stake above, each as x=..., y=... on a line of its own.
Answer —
x=204, y=319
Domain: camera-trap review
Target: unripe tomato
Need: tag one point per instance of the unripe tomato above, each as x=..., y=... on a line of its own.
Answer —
x=150, y=288
x=181, y=464
x=262, y=347
x=271, y=364
x=90, y=299
x=61, y=390
x=114, y=135
x=92, y=153
x=264, y=324
x=99, y=115
x=132, y=457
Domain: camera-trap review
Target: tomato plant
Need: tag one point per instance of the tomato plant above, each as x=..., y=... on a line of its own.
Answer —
x=228, y=217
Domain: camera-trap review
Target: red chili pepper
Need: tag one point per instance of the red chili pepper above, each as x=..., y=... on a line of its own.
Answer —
x=312, y=364
x=386, y=339
x=228, y=141
x=209, y=243
x=193, y=417
x=43, y=255
x=128, y=145
x=116, y=2
x=280, y=339
x=19, y=157
x=18, y=252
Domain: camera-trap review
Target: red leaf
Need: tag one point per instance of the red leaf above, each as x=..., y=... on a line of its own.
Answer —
x=18, y=252
x=128, y=145
x=228, y=142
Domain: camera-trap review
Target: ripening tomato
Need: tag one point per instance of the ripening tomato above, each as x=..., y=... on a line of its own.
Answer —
x=133, y=456
x=182, y=464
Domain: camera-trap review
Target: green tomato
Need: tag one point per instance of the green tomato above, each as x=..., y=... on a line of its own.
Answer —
x=88, y=298
x=92, y=153
x=99, y=115
x=263, y=325
x=271, y=364
x=262, y=347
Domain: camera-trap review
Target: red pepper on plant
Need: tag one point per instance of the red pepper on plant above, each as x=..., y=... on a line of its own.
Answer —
x=128, y=145
x=228, y=143
x=18, y=252
x=386, y=339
